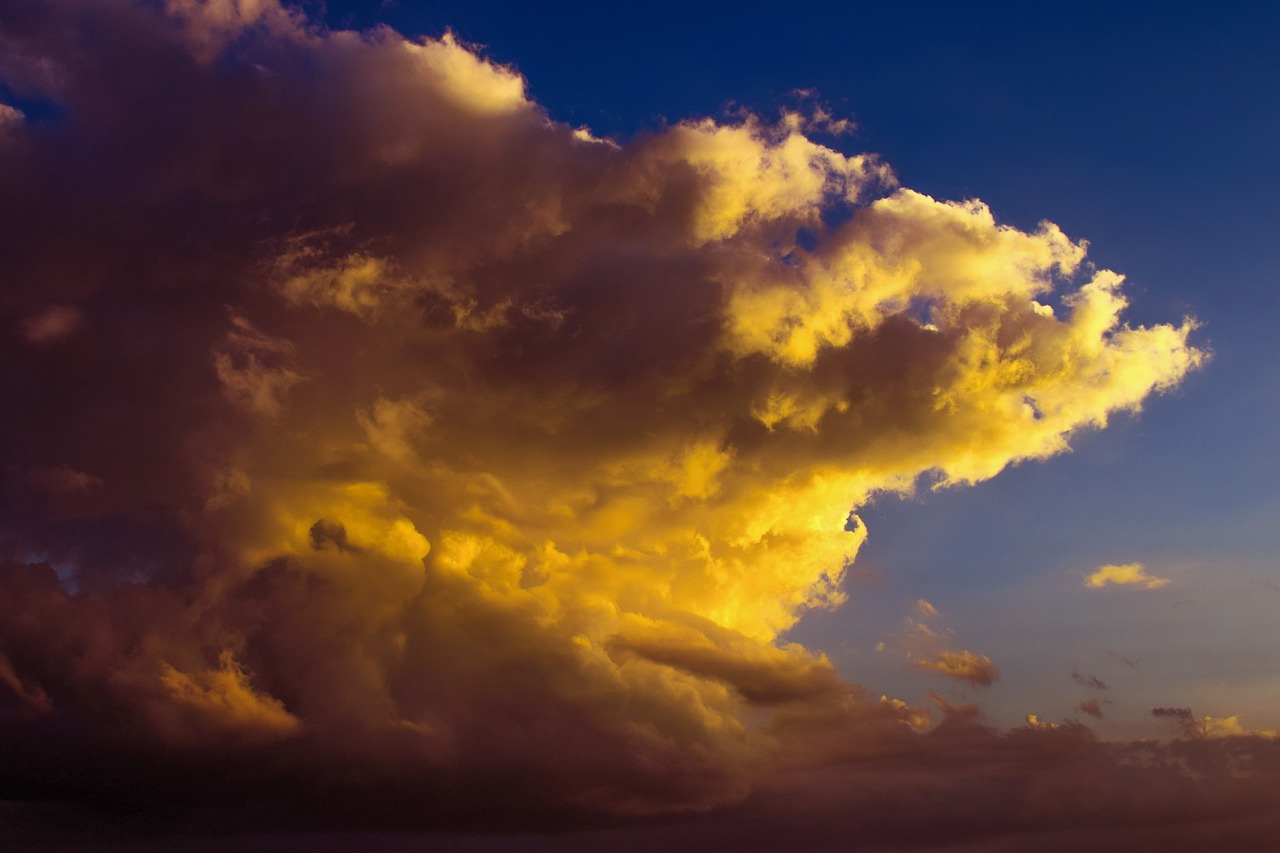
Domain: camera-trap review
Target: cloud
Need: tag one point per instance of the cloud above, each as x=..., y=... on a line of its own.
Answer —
x=976, y=669
x=408, y=457
x=1088, y=680
x=1207, y=727
x=51, y=324
x=222, y=697
x=925, y=645
x=1128, y=574
x=1220, y=727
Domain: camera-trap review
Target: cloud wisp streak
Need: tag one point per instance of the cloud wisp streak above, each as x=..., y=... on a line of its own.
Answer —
x=388, y=454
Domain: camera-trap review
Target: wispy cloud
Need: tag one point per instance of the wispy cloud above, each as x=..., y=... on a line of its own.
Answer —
x=1207, y=727
x=976, y=669
x=1091, y=681
x=927, y=644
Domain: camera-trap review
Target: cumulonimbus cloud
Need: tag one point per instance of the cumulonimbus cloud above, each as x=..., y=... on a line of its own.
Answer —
x=410, y=441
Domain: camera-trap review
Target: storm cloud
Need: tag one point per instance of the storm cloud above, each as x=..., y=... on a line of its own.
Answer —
x=381, y=451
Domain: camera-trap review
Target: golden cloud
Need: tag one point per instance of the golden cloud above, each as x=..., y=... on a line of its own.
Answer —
x=1128, y=574
x=451, y=443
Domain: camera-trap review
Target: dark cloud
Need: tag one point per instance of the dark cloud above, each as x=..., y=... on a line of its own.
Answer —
x=976, y=669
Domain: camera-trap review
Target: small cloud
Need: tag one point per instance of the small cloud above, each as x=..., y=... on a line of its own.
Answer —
x=1091, y=681
x=976, y=669
x=1128, y=574
x=52, y=324
x=964, y=711
x=253, y=368
x=10, y=116
x=1090, y=707
x=1036, y=724
x=1180, y=714
x=62, y=479
x=926, y=647
x=1121, y=658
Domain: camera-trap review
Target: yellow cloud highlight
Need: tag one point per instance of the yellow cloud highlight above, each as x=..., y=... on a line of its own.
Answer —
x=470, y=82
x=754, y=175
x=904, y=247
x=1127, y=574
x=976, y=669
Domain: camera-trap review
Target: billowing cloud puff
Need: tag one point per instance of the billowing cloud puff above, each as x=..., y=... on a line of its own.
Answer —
x=381, y=447
x=1129, y=574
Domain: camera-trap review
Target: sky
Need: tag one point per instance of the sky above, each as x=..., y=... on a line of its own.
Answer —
x=480, y=426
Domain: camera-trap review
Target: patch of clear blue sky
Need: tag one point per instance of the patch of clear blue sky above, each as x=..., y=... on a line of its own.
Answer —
x=1149, y=129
